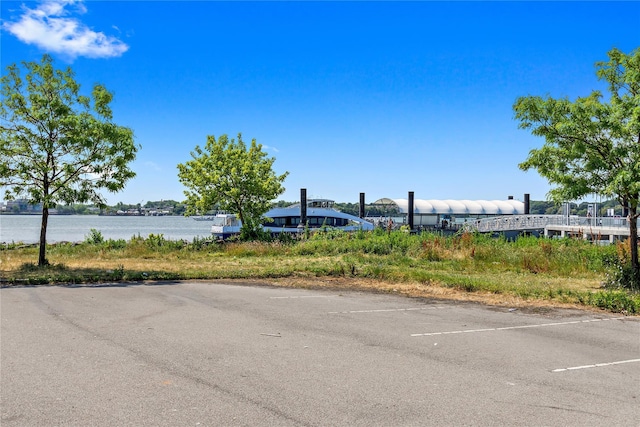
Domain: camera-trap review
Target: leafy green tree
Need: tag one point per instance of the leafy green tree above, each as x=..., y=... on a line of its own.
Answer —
x=57, y=146
x=281, y=204
x=179, y=209
x=592, y=146
x=348, y=208
x=231, y=176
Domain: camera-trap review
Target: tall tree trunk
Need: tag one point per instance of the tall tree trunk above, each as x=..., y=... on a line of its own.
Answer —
x=42, y=257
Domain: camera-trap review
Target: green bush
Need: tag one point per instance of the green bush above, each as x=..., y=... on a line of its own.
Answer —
x=254, y=234
x=118, y=273
x=620, y=273
x=157, y=242
x=94, y=237
x=615, y=301
x=115, y=244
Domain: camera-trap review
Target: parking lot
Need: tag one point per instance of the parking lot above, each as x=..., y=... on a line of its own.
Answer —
x=214, y=354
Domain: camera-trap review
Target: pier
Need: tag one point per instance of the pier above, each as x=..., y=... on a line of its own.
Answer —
x=602, y=229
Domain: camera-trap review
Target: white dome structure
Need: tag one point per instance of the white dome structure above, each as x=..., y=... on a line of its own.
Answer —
x=434, y=212
x=458, y=207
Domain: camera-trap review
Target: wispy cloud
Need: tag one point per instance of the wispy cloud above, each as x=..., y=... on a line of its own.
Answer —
x=51, y=27
x=268, y=147
x=152, y=165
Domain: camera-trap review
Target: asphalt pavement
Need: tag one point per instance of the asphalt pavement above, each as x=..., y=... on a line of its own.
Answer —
x=214, y=354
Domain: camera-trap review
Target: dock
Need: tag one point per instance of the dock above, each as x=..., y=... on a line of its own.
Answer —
x=602, y=229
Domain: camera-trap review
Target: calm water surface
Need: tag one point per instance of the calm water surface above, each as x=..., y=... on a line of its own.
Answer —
x=74, y=228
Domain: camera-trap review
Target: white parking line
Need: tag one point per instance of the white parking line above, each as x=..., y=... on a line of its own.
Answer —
x=386, y=310
x=596, y=365
x=506, y=328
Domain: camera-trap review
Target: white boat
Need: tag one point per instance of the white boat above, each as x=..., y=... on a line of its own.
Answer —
x=320, y=214
x=225, y=225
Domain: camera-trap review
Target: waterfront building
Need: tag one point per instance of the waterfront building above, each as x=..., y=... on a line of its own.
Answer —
x=447, y=213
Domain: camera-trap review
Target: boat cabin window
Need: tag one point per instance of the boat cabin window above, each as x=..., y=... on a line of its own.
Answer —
x=320, y=204
x=314, y=221
x=287, y=221
x=226, y=220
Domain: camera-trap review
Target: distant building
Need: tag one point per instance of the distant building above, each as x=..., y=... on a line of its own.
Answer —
x=20, y=206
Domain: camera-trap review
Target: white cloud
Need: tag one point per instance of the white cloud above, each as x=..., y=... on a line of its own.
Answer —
x=152, y=165
x=50, y=27
x=268, y=147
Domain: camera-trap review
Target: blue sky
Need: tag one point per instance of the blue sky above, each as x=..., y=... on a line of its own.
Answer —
x=349, y=97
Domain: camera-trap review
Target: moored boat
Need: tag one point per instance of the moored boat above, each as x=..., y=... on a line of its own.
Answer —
x=320, y=213
x=225, y=225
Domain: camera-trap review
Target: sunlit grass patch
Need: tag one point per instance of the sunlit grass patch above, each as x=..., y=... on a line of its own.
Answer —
x=468, y=266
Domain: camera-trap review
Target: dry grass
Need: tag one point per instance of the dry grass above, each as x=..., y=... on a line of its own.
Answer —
x=529, y=273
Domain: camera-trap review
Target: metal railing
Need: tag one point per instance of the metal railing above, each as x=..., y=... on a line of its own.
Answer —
x=539, y=222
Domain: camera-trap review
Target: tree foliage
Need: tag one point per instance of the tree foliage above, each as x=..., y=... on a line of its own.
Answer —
x=592, y=146
x=56, y=145
x=228, y=175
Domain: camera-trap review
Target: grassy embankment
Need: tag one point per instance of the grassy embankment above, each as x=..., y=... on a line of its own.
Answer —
x=472, y=267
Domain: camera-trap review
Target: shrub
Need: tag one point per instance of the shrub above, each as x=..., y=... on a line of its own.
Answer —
x=286, y=238
x=157, y=242
x=118, y=272
x=115, y=244
x=615, y=301
x=620, y=273
x=256, y=234
x=94, y=237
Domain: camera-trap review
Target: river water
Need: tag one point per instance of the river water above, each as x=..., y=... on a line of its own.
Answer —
x=75, y=228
